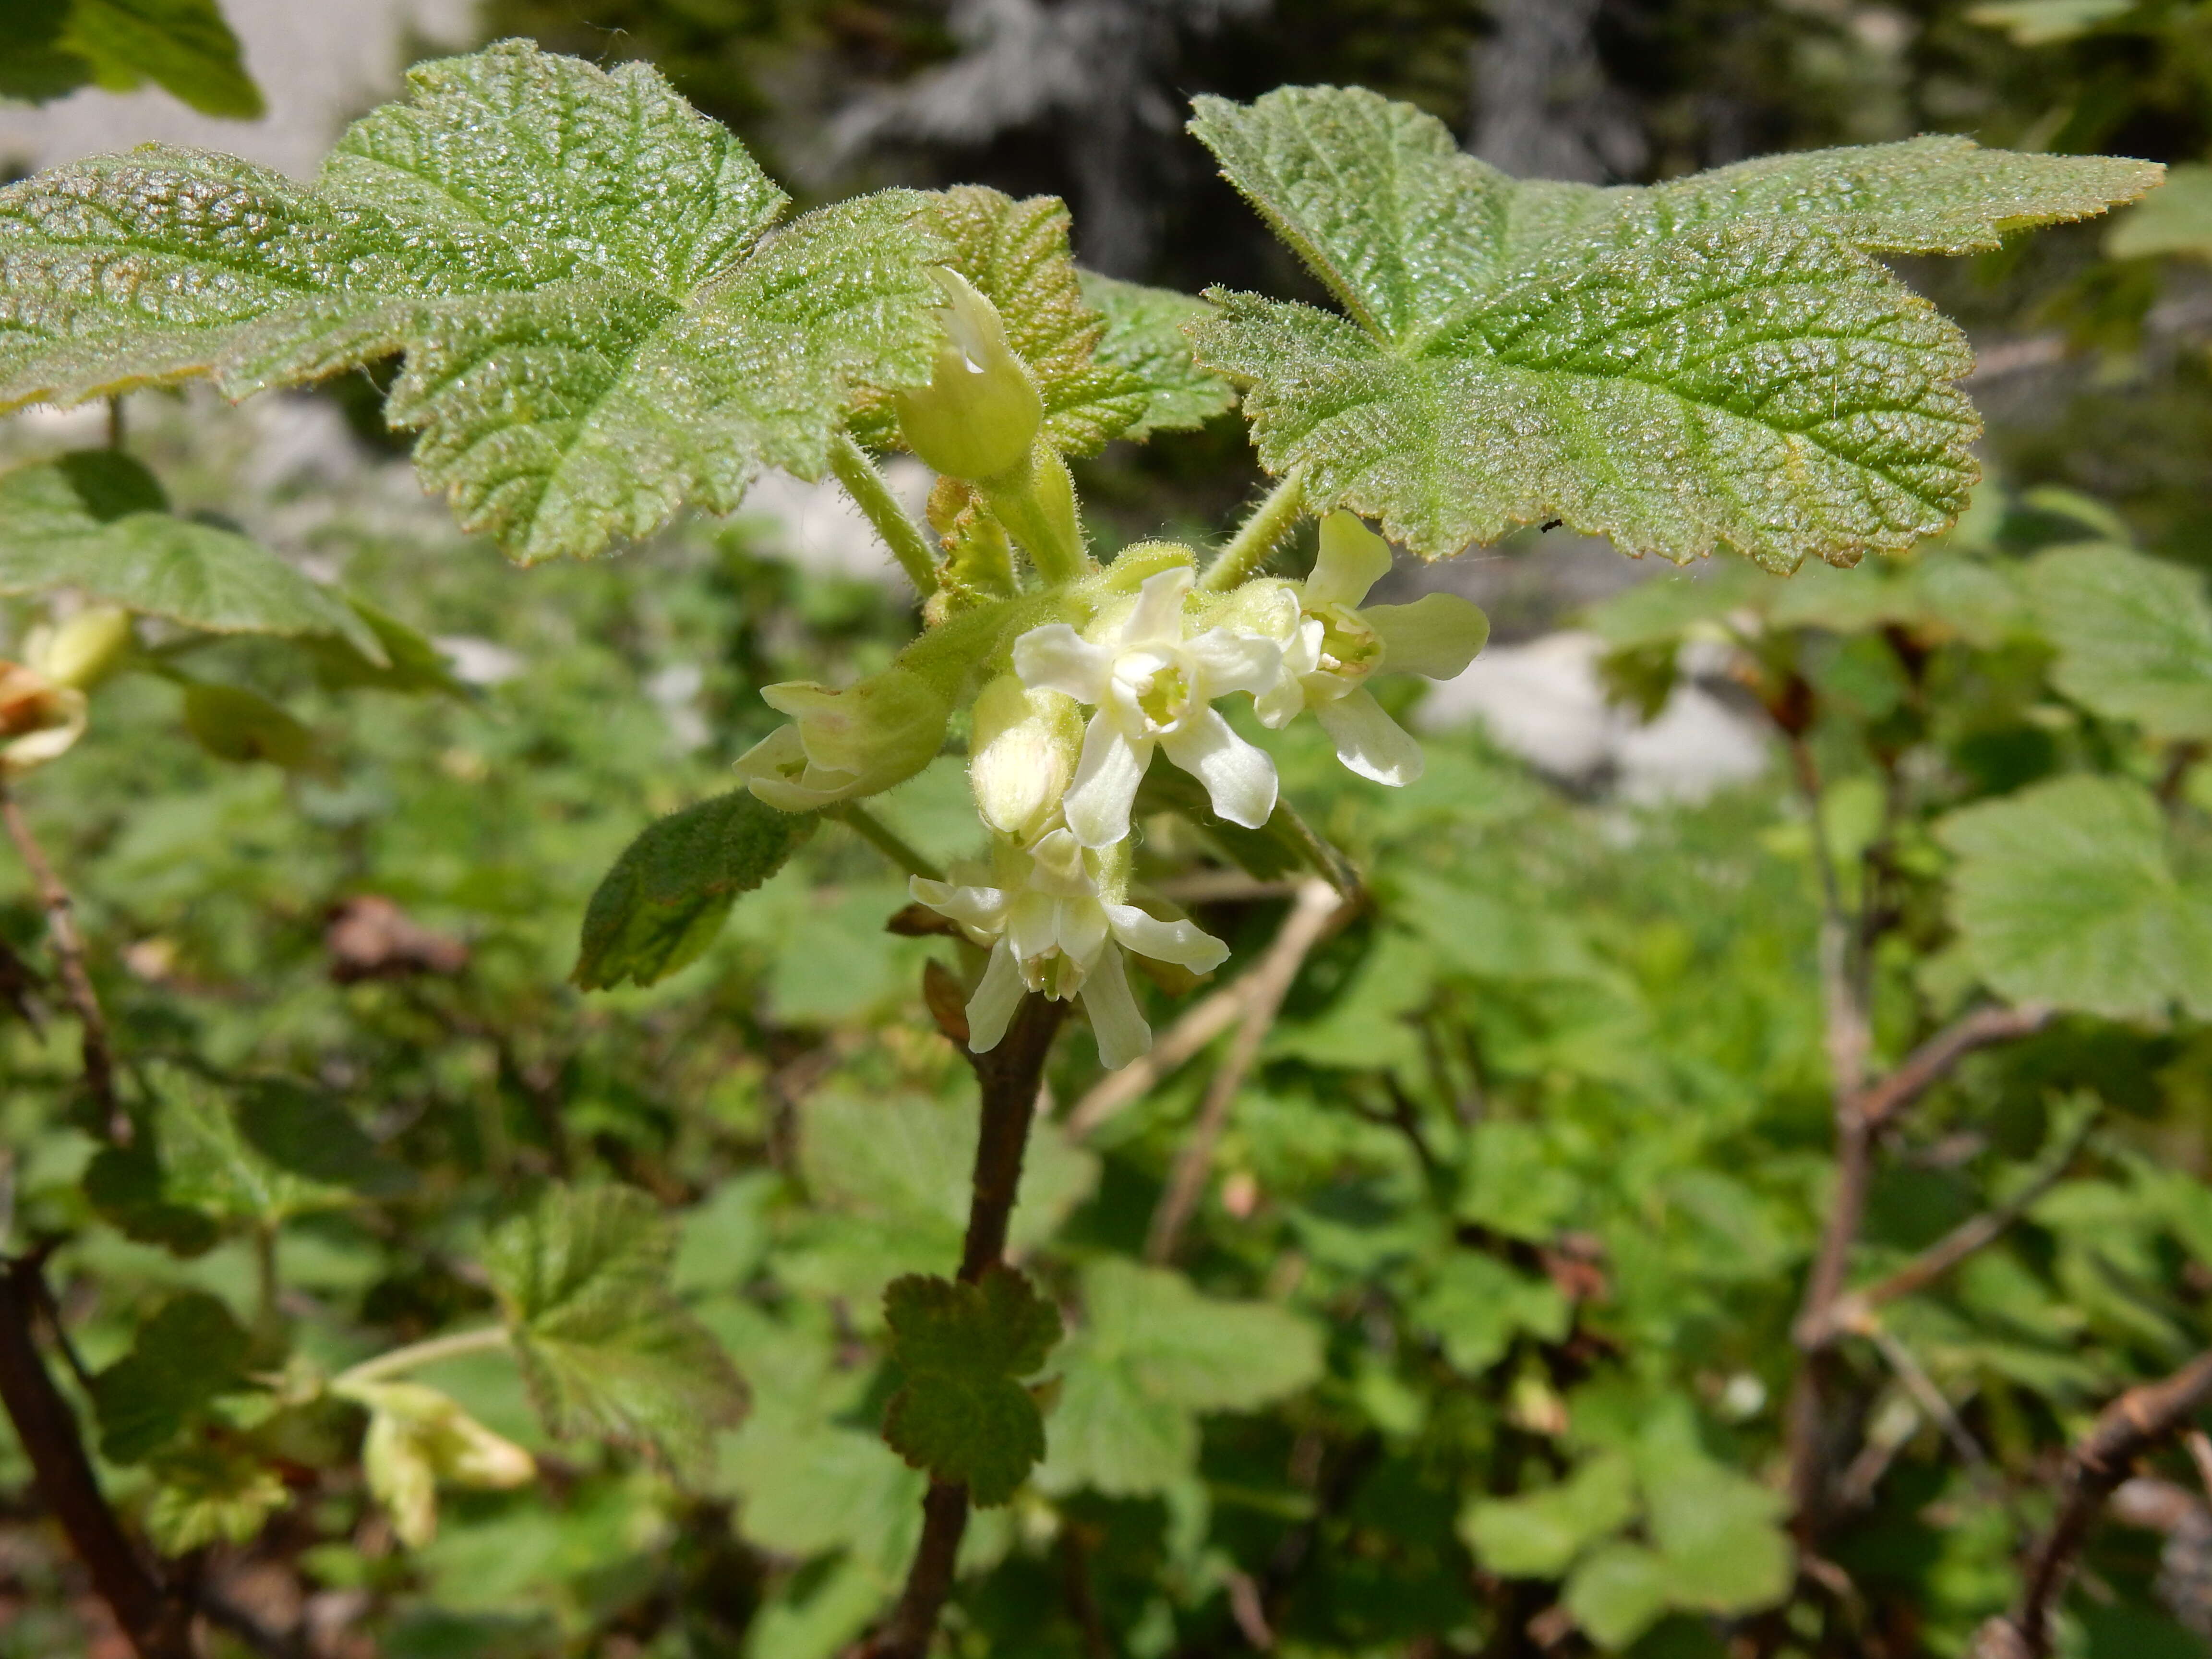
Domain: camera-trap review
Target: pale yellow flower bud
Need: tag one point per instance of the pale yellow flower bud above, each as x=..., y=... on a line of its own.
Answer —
x=80, y=652
x=845, y=745
x=981, y=411
x=1022, y=755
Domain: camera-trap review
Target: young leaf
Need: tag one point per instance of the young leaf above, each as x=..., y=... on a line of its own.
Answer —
x=184, y=47
x=2065, y=893
x=1147, y=335
x=2134, y=636
x=1153, y=1354
x=962, y=1412
x=597, y=321
x=233, y=724
x=1478, y=1305
x=2177, y=220
x=98, y=521
x=667, y=896
x=191, y=1350
x=208, y=1165
x=206, y=1494
x=1723, y=368
x=604, y=1346
x=1538, y=1535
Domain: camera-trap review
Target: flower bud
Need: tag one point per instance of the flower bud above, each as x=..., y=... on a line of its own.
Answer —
x=981, y=410
x=80, y=652
x=1022, y=754
x=845, y=745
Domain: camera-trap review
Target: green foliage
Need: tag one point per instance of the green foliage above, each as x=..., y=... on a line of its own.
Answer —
x=2177, y=220
x=211, y=1494
x=183, y=46
x=189, y=1352
x=671, y=890
x=99, y=520
x=2134, y=636
x=2066, y=894
x=1147, y=336
x=668, y=343
x=961, y=1412
x=582, y=1279
x=1640, y=368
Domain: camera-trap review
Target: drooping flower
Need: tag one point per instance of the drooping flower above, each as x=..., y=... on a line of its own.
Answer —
x=1050, y=928
x=845, y=745
x=1338, y=643
x=1153, y=683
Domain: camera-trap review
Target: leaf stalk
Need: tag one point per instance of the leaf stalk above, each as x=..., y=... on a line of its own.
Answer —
x=869, y=492
x=1258, y=536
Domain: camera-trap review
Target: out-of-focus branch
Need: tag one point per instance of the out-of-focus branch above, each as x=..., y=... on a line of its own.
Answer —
x=1935, y=1060
x=2126, y=1429
x=1316, y=908
x=69, y=969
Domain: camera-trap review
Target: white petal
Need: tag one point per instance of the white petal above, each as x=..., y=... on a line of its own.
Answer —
x=1158, y=613
x=1055, y=658
x=980, y=910
x=1437, y=634
x=1229, y=661
x=1280, y=703
x=1184, y=943
x=1368, y=740
x=1352, y=559
x=1239, y=779
x=1032, y=928
x=1098, y=803
x=998, y=993
x=1121, y=1030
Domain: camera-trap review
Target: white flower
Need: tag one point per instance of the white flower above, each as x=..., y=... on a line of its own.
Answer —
x=848, y=744
x=1337, y=644
x=1049, y=930
x=1153, y=685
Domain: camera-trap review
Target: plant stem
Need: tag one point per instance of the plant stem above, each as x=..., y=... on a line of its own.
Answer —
x=885, y=840
x=1036, y=502
x=68, y=967
x=427, y=1351
x=873, y=497
x=158, y=1624
x=1257, y=536
x=1011, y=1076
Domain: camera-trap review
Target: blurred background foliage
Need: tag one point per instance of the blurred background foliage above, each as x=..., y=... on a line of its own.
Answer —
x=1479, y=1340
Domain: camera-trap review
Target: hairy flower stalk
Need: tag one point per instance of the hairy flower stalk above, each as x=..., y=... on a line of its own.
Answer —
x=1051, y=927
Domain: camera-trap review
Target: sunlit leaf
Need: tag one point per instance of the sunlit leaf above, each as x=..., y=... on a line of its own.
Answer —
x=2134, y=636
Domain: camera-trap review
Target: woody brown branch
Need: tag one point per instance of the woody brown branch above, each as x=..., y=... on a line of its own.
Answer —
x=69, y=969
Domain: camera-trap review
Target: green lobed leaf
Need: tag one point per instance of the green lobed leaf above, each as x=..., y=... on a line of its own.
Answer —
x=184, y=47
x=1147, y=335
x=190, y=1351
x=2065, y=893
x=1714, y=363
x=1153, y=1353
x=1616, y=1593
x=2177, y=219
x=961, y=1412
x=2134, y=636
x=233, y=724
x=1478, y=1305
x=668, y=894
x=99, y=521
x=209, y=1165
x=1718, y=1532
x=206, y=1494
x=604, y=1347
x=597, y=322
x=1540, y=1534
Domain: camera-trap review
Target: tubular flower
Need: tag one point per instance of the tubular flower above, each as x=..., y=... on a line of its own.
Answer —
x=1338, y=643
x=845, y=744
x=1050, y=929
x=1153, y=685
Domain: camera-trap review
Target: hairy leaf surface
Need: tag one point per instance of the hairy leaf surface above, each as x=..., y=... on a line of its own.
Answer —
x=962, y=1413
x=1147, y=334
x=597, y=322
x=604, y=1347
x=1712, y=364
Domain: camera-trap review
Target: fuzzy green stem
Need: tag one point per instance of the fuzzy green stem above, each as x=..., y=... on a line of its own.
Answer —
x=427, y=1351
x=1258, y=536
x=885, y=840
x=1036, y=502
x=873, y=497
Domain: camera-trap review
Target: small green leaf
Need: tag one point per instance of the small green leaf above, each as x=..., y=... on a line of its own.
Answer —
x=597, y=322
x=233, y=724
x=2045, y=22
x=1540, y=1536
x=182, y=46
x=190, y=1351
x=1711, y=363
x=209, y=1165
x=962, y=1412
x=98, y=521
x=604, y=1345
x=1478, y=1305
x=125, y=1185
x=210, y=1494
x=1616, y=1593
x=2065, y=893
x=668, y=894
x=1147, y=335
x=310, y=1134
x=2134, y=636
x=1718, y=1532
x=2177, y=219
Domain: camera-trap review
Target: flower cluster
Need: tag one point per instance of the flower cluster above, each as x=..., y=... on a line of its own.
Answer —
x=1071, y=714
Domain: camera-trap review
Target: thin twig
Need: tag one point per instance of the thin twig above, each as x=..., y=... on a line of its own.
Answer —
x=1010, y=1076
x=1187, y=1037
x=1933, y=1059
x=1854, y=1312
x=2126, y=1429
x=69, y=968
x=1921, y=1387
x=1316, y=906
x=158, y=1624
